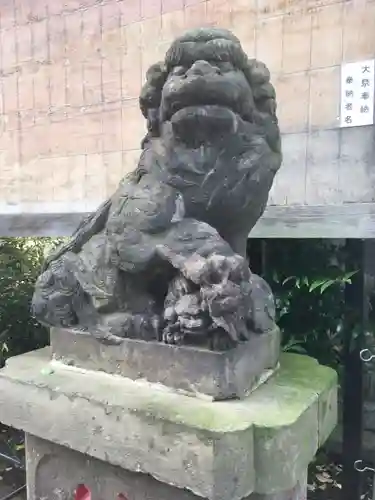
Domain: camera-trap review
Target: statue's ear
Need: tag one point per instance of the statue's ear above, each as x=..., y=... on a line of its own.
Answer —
x=153, y=122
x=157, y=74
x=150, y=97
x=151, y=91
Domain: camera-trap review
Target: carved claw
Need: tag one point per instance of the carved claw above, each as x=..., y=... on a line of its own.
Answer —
x=172, y=334
x=226, y=291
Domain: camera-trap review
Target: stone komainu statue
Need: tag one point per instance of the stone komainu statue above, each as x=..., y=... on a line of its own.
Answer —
x=164, y=257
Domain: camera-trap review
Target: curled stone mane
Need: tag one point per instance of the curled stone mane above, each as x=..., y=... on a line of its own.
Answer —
x=215, y=45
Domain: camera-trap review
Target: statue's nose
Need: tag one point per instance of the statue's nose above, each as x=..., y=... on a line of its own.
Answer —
x=202, y=68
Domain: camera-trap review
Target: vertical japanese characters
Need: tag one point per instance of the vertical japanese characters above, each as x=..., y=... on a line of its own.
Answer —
x=357, y=94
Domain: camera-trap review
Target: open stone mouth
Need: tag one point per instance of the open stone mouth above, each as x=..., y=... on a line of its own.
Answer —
x=214, y=119
x=206, y=100
x=219, y=112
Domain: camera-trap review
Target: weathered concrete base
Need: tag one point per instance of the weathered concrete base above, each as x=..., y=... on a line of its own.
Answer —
x=54, y=472
x=225, y=450
x=218, y=375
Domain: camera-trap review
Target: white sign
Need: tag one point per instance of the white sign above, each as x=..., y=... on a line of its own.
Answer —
x=357, y=94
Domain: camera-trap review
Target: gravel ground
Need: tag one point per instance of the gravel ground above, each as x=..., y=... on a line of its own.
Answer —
x=325, y=479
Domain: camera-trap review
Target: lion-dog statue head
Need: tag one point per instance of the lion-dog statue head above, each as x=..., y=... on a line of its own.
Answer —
x=211, y=117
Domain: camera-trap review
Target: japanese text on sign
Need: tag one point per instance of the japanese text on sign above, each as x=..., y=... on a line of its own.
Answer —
x=357, y=94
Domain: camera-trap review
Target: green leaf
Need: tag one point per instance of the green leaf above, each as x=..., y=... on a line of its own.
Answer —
x=292, y=344
x=289, y=278
x=316, y=284
x=347, y=276
x=298, y=349
x=326, y=285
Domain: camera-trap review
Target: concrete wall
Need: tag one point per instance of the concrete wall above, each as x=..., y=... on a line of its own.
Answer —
x=72, y=70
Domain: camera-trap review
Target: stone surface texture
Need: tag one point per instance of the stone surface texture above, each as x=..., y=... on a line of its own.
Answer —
x=54, y=472
x=217, y=450
x=164, y=258
x=298, y=492
x=217, y=375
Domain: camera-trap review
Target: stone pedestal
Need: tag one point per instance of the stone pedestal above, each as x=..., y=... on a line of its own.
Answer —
x=55, y=471
x=214, y=375
x=146, y=441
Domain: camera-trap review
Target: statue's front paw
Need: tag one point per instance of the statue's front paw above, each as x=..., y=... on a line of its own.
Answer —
x=172, y=334
x=228, y=306
x=221, y=269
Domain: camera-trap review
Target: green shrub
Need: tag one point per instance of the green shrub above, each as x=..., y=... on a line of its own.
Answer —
x=308, y=278
x=20, y=261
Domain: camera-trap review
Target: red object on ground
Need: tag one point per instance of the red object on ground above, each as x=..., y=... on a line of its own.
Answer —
x=82, y=493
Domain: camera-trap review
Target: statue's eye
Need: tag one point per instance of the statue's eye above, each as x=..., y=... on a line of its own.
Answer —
x=178, y=71
x=224, y=67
